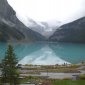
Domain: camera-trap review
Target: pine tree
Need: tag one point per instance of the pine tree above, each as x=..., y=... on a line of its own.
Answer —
x=9, y=70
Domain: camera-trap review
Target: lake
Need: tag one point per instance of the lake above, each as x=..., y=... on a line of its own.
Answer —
x=46, y=53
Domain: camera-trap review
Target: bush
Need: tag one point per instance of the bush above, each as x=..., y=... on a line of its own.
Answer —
x=82, y=76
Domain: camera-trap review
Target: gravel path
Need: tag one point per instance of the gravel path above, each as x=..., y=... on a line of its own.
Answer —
x=53, y=75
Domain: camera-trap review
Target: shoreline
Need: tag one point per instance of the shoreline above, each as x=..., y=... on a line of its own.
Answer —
x=53, y=72
x=64, y=64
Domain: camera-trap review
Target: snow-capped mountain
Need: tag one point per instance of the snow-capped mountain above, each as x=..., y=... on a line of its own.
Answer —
x=44, y=28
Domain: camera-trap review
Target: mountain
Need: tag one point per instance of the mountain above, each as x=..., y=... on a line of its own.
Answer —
x=50, y=27
x=36, y=26
x=71, y=32
x=44, y=28
x=11, y=29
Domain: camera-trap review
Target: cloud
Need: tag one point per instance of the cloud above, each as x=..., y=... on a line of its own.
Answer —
x=45, y=10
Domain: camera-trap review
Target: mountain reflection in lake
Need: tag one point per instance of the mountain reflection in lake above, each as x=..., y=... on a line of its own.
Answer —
x=46, y=53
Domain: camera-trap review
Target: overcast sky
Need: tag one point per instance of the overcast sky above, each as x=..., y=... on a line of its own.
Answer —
x=47, y=10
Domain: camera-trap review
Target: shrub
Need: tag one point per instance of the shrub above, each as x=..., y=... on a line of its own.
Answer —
x=82, y=76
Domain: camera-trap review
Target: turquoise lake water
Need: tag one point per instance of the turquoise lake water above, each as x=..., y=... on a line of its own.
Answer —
x=46, y=53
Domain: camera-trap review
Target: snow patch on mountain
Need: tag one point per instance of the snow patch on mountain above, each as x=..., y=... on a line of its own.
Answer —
x=44, y=28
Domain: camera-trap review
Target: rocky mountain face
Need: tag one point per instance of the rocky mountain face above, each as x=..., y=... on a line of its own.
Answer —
x=46, y=29
x=71, y=32
x=11, y=29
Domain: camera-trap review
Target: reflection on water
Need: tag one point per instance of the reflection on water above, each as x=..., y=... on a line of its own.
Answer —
x=73, y=53
x=46, y=53
x=44, y=56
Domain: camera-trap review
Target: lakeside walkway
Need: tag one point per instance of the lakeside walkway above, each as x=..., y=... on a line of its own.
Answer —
x=51, y=75
x=55, y=75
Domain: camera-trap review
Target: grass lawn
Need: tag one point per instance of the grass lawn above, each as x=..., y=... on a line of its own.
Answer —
x=68, y=82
